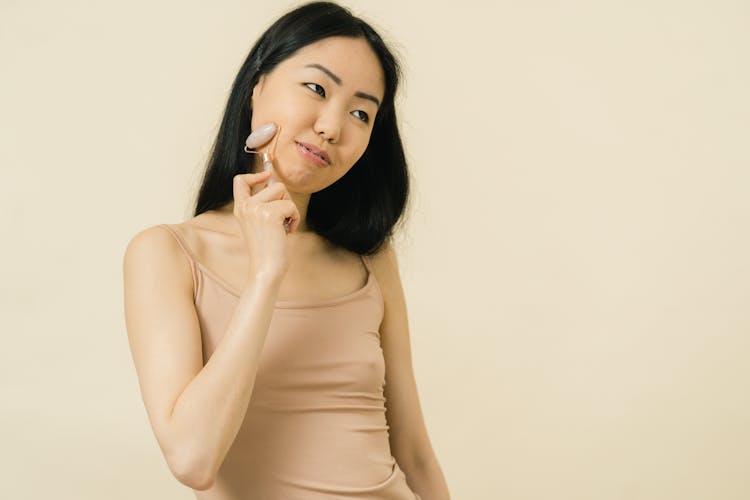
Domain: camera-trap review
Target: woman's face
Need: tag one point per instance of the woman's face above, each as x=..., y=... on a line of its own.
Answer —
x=323, y=95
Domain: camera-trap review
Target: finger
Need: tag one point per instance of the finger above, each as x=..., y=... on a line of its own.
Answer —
x=294, y=225
x=241, y=184
x=276, y=191
x=286, y=209
x=261, y=135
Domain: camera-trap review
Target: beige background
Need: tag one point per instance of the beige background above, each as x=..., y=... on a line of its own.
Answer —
x=575, y=259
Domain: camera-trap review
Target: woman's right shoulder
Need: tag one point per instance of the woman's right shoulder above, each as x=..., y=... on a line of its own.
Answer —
x=158, y=238
x=158, y=250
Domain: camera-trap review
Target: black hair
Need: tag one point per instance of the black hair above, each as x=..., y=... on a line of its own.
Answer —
x=358, y=211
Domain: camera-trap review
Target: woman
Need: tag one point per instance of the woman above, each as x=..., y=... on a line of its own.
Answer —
x=269, y=332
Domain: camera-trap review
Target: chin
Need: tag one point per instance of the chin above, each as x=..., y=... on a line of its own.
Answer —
x=302, y=178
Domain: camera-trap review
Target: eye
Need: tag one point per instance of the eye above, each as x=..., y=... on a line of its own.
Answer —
x=365, y=117
x=322, y=92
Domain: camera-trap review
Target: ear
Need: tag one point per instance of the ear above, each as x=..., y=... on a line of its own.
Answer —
x=258, y=89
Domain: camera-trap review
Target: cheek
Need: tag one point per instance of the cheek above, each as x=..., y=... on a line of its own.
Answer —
x=361, y=147
x=281, y=107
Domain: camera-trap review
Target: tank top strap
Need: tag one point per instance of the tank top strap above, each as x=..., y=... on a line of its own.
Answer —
x=186, y=250
x=180, y=241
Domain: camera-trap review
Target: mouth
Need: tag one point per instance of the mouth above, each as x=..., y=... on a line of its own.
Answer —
x=316, y=155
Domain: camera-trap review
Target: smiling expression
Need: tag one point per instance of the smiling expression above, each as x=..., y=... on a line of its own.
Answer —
x=327, y=95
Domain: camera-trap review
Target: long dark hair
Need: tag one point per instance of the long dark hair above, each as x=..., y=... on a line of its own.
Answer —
x=358, y=211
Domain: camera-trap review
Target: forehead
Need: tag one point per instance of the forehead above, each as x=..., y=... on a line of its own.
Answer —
x=351, y=59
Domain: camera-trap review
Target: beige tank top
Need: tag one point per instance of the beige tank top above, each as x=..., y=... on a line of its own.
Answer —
x=315, y=427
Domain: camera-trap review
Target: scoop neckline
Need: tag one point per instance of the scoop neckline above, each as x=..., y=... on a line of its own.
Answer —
x=289, y=304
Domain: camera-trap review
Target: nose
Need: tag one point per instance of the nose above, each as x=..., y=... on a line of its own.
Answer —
x=328, y=125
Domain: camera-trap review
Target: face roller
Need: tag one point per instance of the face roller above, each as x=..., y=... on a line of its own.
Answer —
x=268, y=166
x=267, y=158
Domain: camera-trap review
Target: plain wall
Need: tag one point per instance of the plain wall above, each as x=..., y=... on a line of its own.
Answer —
x=575, y=258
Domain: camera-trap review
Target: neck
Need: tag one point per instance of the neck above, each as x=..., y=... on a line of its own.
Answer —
x=301, y=200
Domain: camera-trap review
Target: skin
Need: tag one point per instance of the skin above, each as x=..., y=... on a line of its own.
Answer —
x=308, y=106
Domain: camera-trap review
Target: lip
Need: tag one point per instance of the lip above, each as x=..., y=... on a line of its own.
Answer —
x=314, y=154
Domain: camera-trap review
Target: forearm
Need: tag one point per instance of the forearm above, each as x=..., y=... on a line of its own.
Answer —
x=427, y=480
x=209, y=412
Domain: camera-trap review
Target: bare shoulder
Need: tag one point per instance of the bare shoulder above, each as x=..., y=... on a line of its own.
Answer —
x=157, y=242
x=147, y=240
x=149, y=243
x=384, y=265
x=155, y=252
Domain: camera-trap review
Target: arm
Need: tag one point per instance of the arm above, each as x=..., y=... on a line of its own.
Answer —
x=194, y=410
x=410, y=443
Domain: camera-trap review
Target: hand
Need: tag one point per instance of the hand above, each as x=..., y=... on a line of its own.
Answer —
x=261, y=217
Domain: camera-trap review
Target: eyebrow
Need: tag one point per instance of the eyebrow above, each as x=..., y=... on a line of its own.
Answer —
x=336, y=79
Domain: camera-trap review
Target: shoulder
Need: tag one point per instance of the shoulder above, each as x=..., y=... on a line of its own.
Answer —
x=384, y=260
x=154, y=252
x=385, y=267
x=160, y=240
x=151, y=242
